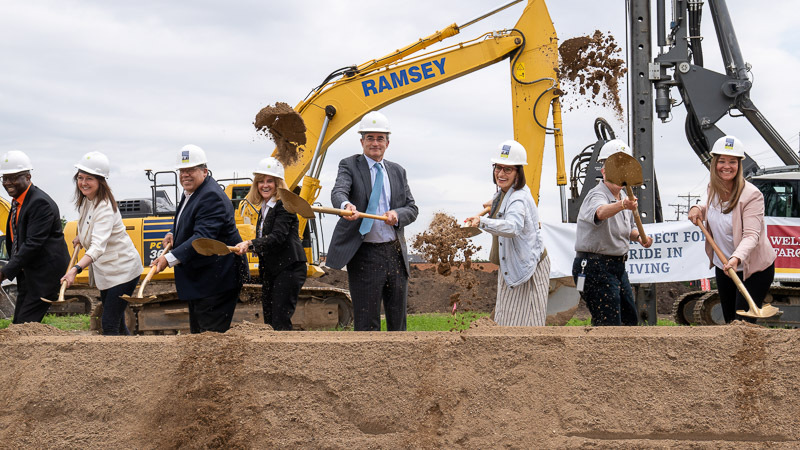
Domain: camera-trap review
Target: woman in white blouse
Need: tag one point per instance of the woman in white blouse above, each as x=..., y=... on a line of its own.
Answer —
x=115, y=265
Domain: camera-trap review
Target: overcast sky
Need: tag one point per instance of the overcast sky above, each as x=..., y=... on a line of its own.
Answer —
x=138, y=80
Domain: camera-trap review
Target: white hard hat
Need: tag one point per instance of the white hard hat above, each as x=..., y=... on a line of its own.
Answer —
x=374, y=122
x=270, y=166
x=511, y=153
x=614, y=146
x=190, y=156
x=728, y=145
x=94, y=163
x=14, y=161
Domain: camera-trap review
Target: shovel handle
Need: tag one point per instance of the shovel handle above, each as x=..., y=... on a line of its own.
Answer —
x=63, y=288
x=345, y=212
x=642, y=234
x=74, y=258
x=150, y=272
x=731, y=272
x=485, y=211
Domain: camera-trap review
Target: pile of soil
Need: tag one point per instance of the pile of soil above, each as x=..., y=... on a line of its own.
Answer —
x=487, y=387
x=31, y=329
x=590, y=69
x=285, y=127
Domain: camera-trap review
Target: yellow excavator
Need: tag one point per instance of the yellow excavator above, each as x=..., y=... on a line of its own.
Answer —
x=531, y=49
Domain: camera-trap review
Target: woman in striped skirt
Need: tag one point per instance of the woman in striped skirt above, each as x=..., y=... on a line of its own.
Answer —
x=524, y=277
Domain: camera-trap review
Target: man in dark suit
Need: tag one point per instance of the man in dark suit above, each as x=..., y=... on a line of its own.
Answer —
x=210, y=284
x=373, y=251
x=38, y=254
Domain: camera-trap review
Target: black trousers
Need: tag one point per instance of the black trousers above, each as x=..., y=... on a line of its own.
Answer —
x=30, y=307
x=113, y=320
x=607, y=291
x=279, y=294
x=731, y=299
x=213, y=313
x=377, y=273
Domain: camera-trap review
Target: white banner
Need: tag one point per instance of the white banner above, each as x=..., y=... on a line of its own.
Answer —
x=677, y=254
x=678, y=251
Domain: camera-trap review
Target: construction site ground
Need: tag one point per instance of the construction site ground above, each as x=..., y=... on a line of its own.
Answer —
x=487, y=387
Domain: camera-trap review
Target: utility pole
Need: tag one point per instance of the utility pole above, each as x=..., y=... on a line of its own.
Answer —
x=689, y=198
x=679, y=211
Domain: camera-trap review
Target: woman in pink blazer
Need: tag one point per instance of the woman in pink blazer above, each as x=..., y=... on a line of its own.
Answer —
x=734, y=215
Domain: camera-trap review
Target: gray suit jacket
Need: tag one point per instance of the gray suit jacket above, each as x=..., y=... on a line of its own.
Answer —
x=353, y=184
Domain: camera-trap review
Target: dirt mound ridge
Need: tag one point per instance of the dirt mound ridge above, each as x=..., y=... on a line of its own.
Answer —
x=31, y=329
x=626, y=387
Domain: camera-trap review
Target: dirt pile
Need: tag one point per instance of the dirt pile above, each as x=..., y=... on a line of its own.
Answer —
x=31, y=329
x=616, y=387
x=590, y=69
x=285, y=127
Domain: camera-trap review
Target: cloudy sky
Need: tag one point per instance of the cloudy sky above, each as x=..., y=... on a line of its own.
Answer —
x=138, y=80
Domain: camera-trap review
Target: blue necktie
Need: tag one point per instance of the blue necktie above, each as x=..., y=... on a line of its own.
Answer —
x=374, y=199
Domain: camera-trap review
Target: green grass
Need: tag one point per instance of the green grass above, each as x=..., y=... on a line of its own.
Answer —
x=439, y=321
x=66, y=323
x=587, y=322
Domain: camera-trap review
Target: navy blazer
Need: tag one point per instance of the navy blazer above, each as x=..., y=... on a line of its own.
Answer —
x=279, y=244
x=42, y=254
x=354, y=184
x=208, y=213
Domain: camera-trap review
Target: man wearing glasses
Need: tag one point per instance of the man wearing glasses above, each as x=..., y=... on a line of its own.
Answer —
x=374, y=251
x=38, y=254
x=210, y=284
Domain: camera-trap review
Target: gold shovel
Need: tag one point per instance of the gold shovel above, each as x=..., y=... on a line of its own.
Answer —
x=139, y=299
x=295, y=204
x=72, y=262
x=469, y=232
x=209, y=247
x=622, y=169
x=756, y=312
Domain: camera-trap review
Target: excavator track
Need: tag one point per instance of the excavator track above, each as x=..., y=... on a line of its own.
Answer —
x=683, y=308
x=707, y=309
x=317, y=308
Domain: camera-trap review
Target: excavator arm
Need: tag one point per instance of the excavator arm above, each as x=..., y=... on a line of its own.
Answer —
x=531, y=46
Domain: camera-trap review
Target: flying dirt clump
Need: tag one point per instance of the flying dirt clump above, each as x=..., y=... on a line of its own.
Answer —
x=442, y=244
x=445, y=245
x=590, y=69
x=285, y=127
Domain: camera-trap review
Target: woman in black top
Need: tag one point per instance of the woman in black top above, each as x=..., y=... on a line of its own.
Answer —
x=281, y=259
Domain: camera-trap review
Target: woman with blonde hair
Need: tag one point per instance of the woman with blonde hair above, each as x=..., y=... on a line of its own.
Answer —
x=115, y=265
x=734, y=216
x=281, y=259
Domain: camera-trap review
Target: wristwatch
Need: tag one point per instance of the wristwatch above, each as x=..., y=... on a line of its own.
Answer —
x=78, y=268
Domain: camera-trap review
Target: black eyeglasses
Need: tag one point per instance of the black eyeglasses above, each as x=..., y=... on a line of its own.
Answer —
x=506, y=169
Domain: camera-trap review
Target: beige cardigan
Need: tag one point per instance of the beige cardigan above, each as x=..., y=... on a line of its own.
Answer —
x=749, y=233
x=103, y=235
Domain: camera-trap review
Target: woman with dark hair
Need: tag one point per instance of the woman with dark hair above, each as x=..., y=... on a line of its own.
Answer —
x=734, y=216
x=524, y=277
x=115, y=265
x=281, y=259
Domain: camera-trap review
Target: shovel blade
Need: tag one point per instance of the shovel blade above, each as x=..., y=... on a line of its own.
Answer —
x=760, y=313
x=139, y=300
x=469, y=232
x=295, y=204
x=58, y=302
x=623, y=169
x=209, y=247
